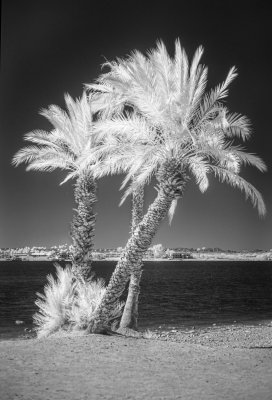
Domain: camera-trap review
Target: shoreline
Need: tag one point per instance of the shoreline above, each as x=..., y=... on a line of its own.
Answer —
x=149, y=260
x=222, y=363
x=25, y=331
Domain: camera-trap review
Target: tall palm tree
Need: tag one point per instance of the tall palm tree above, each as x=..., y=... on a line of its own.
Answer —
x=175, y=132
x=63, y=147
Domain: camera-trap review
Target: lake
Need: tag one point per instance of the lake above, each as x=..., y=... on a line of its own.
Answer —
x=173, y=293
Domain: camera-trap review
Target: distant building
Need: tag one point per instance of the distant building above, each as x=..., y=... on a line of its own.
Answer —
x=179, y=255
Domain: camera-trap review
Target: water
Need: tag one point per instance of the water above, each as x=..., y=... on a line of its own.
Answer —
x=173, y=294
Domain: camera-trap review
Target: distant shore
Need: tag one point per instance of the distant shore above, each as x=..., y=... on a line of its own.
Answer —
x=115, y=259
x=221, y=362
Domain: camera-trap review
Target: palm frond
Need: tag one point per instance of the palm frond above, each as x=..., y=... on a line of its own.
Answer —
x=105, y=100
x=200, y=169
x=128, y=192
x=71, y=175
x=210, y=101
x=195, y=72
x=40, y=137
x=143, y=168
x=180, y=67
x=99, y=87
x=57, y=117
x=131, y=126
x=26, y=155
x=47, y=165
x=239, y=125
x=200, y=86
x=226, y=153
x=162, y=63
x=237, y=181
x=48, y=159
x=172, y=210
x=248, y=158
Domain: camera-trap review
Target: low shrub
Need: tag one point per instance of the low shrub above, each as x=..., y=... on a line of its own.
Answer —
x=69, y=303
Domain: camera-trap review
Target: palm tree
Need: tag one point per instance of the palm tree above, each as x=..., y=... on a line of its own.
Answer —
x=172, y=130
x=63, y=147
x=130, y=314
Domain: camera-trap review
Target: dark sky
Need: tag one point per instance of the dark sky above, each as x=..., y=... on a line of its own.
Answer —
x=48, y=48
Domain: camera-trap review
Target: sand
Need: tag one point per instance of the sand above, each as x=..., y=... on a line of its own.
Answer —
x=219, y=363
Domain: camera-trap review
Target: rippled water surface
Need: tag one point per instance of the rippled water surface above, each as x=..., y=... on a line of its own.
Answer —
x=177, y=293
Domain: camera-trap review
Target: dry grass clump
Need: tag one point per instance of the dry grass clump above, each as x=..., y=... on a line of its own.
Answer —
x=69, y=304
x=148, y=334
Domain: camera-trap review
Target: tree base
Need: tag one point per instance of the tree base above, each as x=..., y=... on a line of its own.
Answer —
x=129, y=332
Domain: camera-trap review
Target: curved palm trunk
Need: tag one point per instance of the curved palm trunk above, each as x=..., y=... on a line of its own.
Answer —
x=83, y=226
x=173, y=184
x=130, y=314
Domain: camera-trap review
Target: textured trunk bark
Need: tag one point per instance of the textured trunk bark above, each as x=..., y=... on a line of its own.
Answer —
x=130, y=259
x=137, y=208
x=130, y=314
x=83, y=226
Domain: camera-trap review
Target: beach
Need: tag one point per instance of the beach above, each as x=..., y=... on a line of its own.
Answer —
x=227, y=362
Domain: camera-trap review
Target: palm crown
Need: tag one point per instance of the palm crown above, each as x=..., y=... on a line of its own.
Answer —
x=63, y=146
x=168, y=120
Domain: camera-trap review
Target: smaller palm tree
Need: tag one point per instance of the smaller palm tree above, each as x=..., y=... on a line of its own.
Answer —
x=130, y=314
x=63, y=147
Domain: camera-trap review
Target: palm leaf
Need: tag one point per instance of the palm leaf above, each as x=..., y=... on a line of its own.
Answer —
x=210, y=101
x=200, y=169
x=237, y=181
x=172, y=210
x=26, y=155
x=239, y=125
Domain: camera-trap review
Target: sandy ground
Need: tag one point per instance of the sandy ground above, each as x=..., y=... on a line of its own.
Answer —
x=219, y=363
